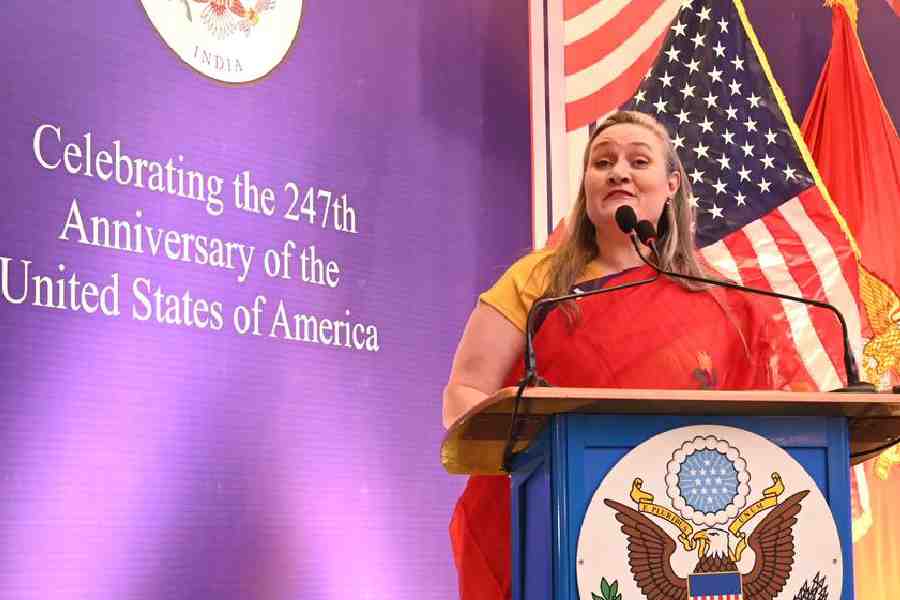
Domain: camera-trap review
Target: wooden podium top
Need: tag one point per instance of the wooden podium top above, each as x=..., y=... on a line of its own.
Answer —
x=474, y=443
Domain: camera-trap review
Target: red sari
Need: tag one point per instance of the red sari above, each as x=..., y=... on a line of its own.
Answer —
x=657, y=335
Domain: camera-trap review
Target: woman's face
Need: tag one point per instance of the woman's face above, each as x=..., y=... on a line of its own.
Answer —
x=627, y=166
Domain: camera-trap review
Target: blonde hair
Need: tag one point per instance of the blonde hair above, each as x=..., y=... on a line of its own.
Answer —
x=676, y=248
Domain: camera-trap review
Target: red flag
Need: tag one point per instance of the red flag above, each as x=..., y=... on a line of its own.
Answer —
x=856, y=148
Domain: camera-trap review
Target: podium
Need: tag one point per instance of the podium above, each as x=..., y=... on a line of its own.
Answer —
x=572, y=441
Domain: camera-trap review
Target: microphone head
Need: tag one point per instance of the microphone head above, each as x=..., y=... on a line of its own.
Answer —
x=626, y=218
x=645, y=232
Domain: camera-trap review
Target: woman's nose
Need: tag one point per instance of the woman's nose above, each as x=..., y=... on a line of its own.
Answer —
x=618, y=174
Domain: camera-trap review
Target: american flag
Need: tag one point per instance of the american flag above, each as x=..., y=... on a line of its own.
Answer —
x=763, y=217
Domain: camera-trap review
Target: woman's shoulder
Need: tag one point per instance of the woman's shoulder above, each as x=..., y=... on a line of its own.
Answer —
x=518, y=288
x=531, y=269
x=534, y=259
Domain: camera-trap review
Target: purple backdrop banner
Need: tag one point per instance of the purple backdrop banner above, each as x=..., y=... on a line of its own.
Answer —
x=201, y=401
x=228, y=310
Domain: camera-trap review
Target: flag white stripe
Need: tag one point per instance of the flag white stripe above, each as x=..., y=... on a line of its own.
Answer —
x=820, y=251
x=592, y=19
x=587, y=81
x=719, y=256
x=775, y=270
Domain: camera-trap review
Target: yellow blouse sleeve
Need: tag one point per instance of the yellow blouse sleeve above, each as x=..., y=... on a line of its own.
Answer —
x=517, y=289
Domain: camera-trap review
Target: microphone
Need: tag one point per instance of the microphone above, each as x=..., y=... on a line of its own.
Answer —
x=626, y=219
x=646, y=232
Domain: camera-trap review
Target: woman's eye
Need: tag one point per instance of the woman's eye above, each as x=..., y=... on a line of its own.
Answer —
x=603, y=163
x=642, y=162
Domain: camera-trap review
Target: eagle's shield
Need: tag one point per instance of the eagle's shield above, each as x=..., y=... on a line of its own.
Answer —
x=715, y=586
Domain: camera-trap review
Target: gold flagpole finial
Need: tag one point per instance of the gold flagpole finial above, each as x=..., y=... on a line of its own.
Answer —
x=849, y=5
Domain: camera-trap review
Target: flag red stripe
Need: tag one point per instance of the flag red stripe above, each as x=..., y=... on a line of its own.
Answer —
x=748, y=265
x=804, y=273
x=590, y=108
x=593, y=47
x=573, y=8
x=815, y=207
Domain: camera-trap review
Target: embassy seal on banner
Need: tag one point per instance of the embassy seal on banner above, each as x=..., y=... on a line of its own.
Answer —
x=228, y=40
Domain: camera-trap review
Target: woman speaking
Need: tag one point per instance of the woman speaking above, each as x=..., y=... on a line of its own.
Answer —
x=670, y=333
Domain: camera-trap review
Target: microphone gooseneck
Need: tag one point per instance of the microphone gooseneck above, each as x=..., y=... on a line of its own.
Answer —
x=647, y=235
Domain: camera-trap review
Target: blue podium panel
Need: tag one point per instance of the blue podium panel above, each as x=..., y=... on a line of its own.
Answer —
x=555, y=480
x=532, y=525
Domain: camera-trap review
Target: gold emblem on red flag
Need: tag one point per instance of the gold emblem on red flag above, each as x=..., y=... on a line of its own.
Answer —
x=881, y=354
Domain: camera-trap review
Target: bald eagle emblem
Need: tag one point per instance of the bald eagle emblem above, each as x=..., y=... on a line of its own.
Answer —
x=707, y=483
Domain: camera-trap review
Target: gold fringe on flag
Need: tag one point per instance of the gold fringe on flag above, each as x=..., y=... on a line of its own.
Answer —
x=886, y=461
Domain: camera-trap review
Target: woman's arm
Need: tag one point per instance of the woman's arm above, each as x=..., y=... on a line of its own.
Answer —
x=489, y=346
